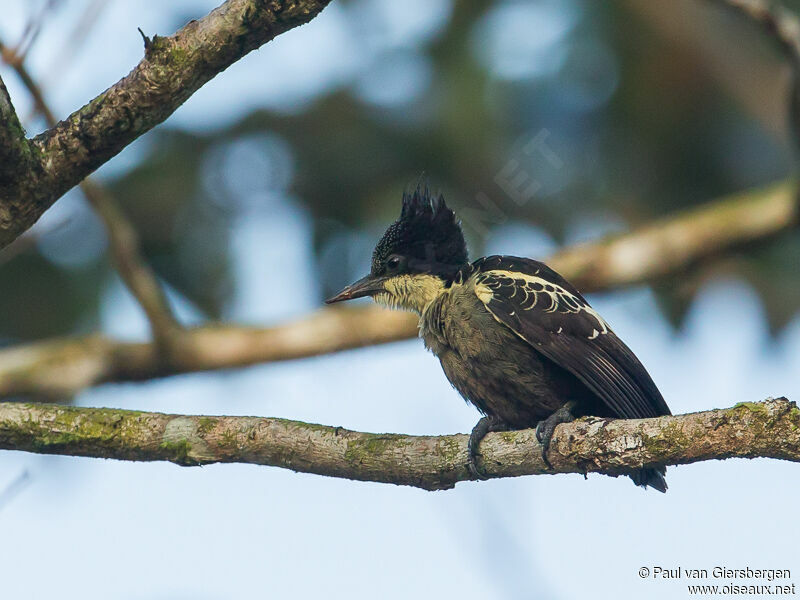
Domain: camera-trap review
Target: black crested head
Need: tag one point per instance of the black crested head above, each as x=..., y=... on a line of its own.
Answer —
x=423, y=245
x=427, y=238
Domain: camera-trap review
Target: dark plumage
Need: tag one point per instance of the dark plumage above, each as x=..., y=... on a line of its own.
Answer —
x=514, y=337
x=427, y=234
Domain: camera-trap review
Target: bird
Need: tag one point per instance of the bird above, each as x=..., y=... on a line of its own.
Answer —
x=514, y=338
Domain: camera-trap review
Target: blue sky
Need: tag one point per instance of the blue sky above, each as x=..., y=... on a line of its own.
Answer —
x=86, y=528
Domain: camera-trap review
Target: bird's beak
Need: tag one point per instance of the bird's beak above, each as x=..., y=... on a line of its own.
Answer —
x=366, y=286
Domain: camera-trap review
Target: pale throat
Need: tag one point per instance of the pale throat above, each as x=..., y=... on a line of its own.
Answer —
x=411, y=292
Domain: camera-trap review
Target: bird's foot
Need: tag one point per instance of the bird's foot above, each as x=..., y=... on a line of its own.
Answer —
x=482, y=427
x=546, y=427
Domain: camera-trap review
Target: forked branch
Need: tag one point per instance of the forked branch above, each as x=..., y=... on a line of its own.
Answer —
x=172, y=69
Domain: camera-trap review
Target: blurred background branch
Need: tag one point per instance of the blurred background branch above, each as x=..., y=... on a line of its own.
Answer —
x=672, y=245
x=123, y=239
x=62, y=367
x=769, y=429
x=783, y=26
x=135, y=272
x=192, y=194
x=587, y=132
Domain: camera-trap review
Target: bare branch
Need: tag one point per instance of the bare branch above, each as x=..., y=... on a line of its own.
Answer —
x=62, y=367
x=172, y=70
x=769, y=429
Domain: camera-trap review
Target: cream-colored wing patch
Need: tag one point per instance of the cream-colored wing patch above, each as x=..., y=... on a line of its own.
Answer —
x=483, y=292
x=531, y=291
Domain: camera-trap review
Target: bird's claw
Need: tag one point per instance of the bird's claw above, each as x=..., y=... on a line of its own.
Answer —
x=482, y=427
x=546, y=428
x=474, y=470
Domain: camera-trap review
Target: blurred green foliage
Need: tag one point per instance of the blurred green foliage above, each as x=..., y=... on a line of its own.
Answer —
x=639, y=120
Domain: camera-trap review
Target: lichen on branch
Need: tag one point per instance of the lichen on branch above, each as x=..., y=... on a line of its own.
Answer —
x=769, y=429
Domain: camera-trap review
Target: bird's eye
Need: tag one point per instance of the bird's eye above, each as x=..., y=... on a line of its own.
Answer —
x=393, y=263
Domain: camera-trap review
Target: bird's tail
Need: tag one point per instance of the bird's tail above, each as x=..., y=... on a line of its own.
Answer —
x=653, y=478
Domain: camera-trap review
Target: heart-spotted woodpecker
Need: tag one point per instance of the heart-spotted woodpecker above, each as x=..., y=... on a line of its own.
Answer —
x=514, y=337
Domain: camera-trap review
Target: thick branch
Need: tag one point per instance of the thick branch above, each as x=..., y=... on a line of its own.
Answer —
x=769, y=429
x=172, y=70
x=62, y=367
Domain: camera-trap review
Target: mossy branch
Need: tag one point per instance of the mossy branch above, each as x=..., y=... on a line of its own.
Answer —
x=172, y=69
x=769, y=429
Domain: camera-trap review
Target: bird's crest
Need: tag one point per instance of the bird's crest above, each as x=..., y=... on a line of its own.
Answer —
x=427, y=233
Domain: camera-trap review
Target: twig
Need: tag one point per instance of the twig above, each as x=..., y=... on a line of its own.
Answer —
x=16, y=62
x=123, y=239
x=64, y=366
x=139, y=278
x=769, y=429
x=33, y=28
x=76, y=39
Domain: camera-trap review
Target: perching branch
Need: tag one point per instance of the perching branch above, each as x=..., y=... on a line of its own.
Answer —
x=62, y=367
x=769, y=429
x=137, y=275
x=172, y=69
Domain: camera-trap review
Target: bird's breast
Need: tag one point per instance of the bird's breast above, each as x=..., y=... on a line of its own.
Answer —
x=457, y=321
x=486, y=362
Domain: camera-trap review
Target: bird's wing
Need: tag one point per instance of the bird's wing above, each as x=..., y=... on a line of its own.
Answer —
x=546, y=311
